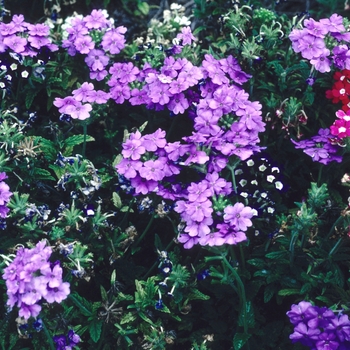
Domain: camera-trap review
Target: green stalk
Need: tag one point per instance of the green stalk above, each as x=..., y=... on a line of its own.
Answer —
x=85, y=133
x=49, y=336
x=336, y=246
x=144, y=232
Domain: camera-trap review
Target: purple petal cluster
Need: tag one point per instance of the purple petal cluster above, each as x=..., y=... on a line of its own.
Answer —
x=65, y=342
x=5, y=196
x=319, y=327
x=31, y=277
x=313, y=43
x=24, y=38
x=321, y=148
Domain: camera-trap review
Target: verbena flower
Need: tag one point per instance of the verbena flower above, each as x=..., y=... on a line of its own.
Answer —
x=29, y=278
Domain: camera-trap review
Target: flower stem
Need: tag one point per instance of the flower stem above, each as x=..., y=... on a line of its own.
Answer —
x=84, y=142
x=144, y=233
x=49, y=336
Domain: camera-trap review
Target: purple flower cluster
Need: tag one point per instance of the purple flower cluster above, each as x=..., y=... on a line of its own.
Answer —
x=319, y=328
x=30, y=277
x=5, y=196
x=24, y=38
x=152, y=165
x=82, y=38
x=64, y=342
x=314, y=44
x=321, y=148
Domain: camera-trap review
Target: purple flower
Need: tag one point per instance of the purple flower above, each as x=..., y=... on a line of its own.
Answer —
x=153, y=141
x=113, y=40
x=307, y=336
x=15, y=43
x=186, y=36
x=311, y=46
x=327, y=341
x=178, y=104
x=5, y=193
x=133, y=148
x=333, y=24
x=187, y=240
x=57, y=294
x=238, y=216
x=79, y=111
x=341, y=326
x=322, y=63
x=96, y=60
x=299, y=313
x=152, y=170
x=83, y=92
x=84, y=44
x=96, y=20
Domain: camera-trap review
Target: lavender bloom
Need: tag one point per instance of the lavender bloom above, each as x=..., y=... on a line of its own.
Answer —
x=28, y=280
x=238, y=216
x=319, y=328
x=319, y=148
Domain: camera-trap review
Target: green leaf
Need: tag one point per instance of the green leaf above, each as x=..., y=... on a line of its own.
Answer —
x=116, y=200
x=103, y=294
x=30, y=95
x=278, y=255
x=259, y=263
x=239, y=340
x=143, y=7
x=95, y=328
x=269, y=291
x=77, y=140
x=128, y=318
x=42, y=174
x=82, y=303
x=289, y=291
x=195, y=294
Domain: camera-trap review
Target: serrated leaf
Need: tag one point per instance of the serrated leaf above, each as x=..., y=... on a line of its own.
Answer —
x=30, y=95
x=77, y=140
x=259, y=263
x=83, y=305
x=103, y=294
x=42, y=174
x=117, y=200
x=95, y=329
x=289, y=291
x=239, y=340
x=48, y=149
x=278, y=255
x=195, y=294
x=128, y=318
x=269, y=291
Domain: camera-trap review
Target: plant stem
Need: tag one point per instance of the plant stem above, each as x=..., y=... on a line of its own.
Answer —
x=145, y=231
x=84, y=142
x=48, y=335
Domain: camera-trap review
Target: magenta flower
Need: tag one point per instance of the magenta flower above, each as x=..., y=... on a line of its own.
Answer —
x=5, y=193
x=238, y=216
